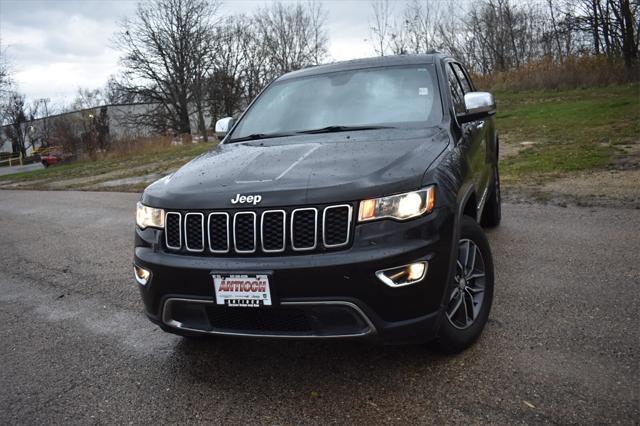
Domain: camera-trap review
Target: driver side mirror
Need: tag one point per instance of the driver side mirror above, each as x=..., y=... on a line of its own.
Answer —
x=224, y=125
x=478, y=105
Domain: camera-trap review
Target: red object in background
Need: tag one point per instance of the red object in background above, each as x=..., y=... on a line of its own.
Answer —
x=49, y=160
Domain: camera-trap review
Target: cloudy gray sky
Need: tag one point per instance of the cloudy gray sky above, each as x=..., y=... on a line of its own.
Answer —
x=56, y=46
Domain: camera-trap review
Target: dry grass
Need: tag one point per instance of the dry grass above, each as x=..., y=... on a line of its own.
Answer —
x=574, y=72
x=145, y=145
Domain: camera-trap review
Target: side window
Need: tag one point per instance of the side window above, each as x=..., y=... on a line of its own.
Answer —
x=466, y=85
x=457, y=94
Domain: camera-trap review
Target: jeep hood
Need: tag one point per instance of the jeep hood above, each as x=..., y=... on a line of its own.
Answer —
x=305, y=169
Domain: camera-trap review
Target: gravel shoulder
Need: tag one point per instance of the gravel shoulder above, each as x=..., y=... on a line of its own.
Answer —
x=561, y=345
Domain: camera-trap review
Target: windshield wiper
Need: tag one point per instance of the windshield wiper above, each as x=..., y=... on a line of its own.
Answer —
x=331, y=129
x=328, y=129
x=256, y=136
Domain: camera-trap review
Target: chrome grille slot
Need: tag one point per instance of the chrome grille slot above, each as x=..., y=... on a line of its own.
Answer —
x=218, y=232
x=304, y=229
x=336, y=225
x=272, y=231
x=173, y=230
x=194, y=232
x=244, y=232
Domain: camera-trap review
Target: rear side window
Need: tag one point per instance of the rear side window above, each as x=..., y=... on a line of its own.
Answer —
x=457, y=94
x=466, y=84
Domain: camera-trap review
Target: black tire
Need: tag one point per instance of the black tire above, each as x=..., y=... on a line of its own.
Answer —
x=492, y=213
x=454, y=336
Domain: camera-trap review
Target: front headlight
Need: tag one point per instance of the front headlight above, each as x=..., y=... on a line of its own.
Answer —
x=400, y=206
x=149, y=216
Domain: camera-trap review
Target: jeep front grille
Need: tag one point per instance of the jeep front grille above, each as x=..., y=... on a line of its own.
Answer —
x=259, y=232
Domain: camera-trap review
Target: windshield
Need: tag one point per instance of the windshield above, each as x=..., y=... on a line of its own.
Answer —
x=391, y=96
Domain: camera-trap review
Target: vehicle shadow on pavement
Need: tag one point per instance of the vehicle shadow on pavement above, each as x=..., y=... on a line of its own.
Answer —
x=303, y=366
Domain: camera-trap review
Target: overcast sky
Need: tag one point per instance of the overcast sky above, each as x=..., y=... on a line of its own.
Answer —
x=55, y=46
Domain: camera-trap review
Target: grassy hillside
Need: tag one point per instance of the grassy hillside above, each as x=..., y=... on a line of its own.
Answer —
x=135, y=171
x=567, y=131
x=574, y=137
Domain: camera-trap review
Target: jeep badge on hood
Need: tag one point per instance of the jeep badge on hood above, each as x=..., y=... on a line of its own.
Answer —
x=242, y=199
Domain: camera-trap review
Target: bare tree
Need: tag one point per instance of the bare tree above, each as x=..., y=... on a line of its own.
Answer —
x=114, y=92
x=253, y=50
x=421, y=25
x=614, y=28
x=500, y=35
x=5, y=77
x=380, y=28
x=168, y=50
x=87, y=98
x=629, y=27
x=66, y=134
x=292, y=35
x=318, y=39
x=227, y=85
x=15, y=114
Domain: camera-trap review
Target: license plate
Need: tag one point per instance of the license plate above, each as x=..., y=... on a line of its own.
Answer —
x=242, y=290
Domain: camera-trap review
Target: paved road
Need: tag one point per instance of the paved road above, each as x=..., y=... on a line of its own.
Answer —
x=18, y=169
x=562, y=344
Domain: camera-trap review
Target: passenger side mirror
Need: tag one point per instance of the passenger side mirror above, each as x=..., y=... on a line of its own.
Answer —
x=224, y=125
x=478, y=105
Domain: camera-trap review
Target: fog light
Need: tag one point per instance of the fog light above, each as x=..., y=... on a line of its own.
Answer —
x=142, y=275
x=403, y=275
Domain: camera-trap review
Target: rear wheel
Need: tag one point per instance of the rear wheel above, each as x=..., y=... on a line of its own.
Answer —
x=492, y=213
x=470, y=294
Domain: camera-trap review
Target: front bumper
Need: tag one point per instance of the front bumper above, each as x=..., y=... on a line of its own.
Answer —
x=323, y=295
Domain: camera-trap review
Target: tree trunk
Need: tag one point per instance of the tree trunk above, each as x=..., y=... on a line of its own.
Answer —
x=606, y=25
x=629, y=47
x=201, y=127
x=184, y=124
x=595, y=26
x=555, y=29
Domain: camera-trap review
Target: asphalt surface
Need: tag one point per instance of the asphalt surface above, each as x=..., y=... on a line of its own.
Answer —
x=18, y=169
x=561, y=345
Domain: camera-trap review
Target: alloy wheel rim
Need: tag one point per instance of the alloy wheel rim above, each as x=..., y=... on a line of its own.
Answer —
x=465, y=300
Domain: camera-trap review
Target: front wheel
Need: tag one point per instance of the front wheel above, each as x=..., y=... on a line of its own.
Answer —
x=470, y=294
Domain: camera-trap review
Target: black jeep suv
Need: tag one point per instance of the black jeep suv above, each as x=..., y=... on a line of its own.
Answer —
x=345, y=202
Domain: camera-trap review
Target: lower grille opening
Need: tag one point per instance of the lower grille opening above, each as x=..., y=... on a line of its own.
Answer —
x=251, y=320
x=312, y=320
x=190, y=315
